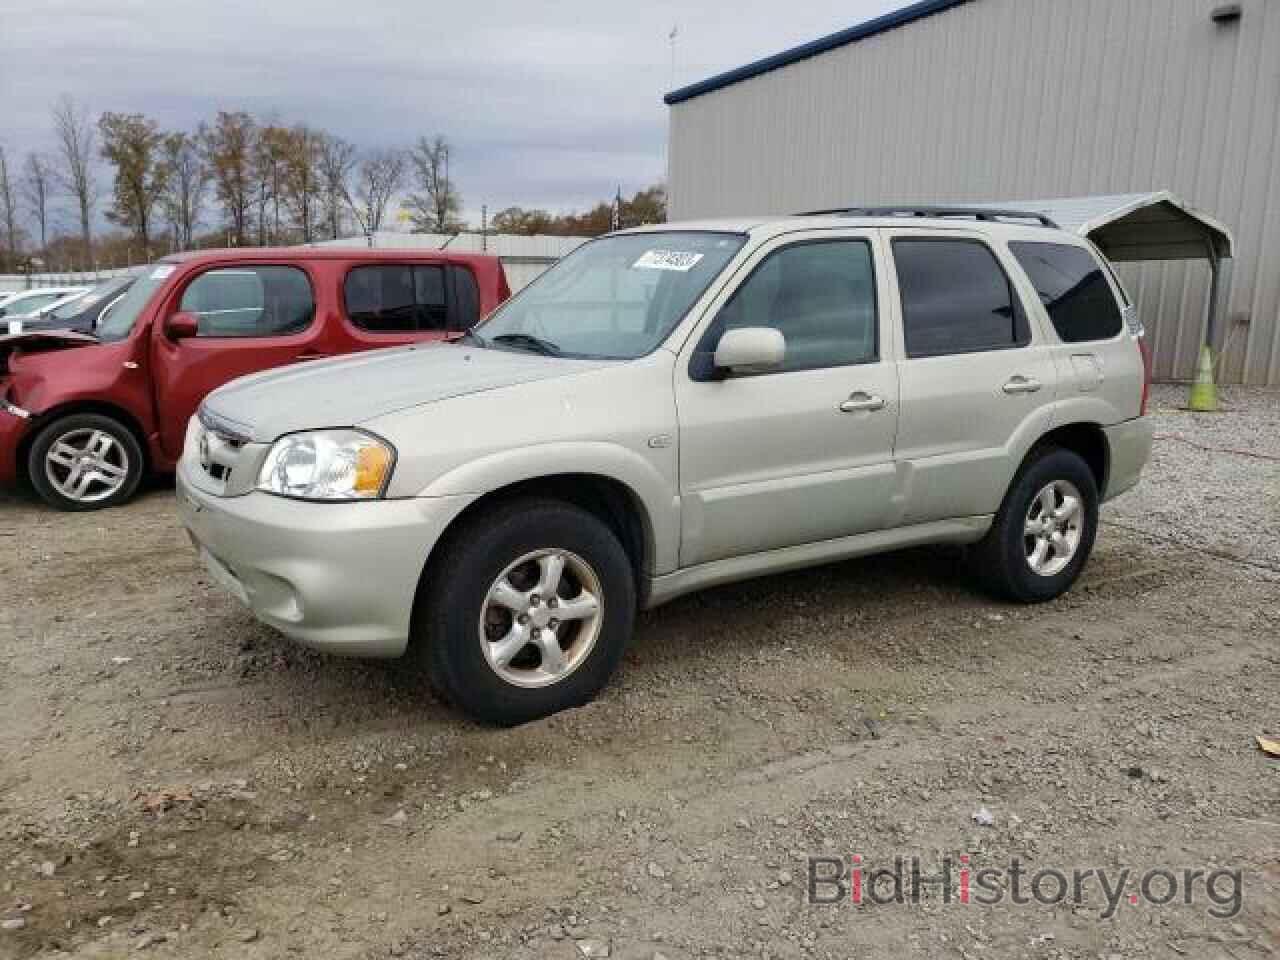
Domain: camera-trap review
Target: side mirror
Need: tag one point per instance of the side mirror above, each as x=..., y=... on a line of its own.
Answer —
x=181, y=326
x=750, y=350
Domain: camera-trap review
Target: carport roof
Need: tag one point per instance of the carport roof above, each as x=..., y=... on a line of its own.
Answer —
x=1134, y=226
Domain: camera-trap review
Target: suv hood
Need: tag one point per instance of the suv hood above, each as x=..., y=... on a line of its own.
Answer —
x=350, y=390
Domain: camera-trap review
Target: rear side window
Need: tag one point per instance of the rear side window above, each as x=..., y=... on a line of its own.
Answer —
x=250, y=301
x=1072, y=288
x=397, y=298
x=956, y=298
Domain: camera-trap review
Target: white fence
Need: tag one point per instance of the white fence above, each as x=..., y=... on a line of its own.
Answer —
x=9, y=282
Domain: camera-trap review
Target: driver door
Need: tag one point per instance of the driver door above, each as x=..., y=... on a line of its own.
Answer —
x=802, y=453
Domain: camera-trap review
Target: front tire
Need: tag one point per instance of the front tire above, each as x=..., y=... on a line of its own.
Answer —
x=1044, y=531
x=85, y=461
x=526, y=611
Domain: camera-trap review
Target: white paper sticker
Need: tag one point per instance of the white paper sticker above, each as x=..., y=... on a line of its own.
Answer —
x=667, y=260
x=162, y=272
x=15, y=326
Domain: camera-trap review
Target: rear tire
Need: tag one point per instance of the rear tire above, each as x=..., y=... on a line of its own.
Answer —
x=1044, y=531
x=494, y=645
x=85, y=461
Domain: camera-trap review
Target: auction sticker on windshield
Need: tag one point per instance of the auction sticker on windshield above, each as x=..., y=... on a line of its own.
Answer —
x=667, y=260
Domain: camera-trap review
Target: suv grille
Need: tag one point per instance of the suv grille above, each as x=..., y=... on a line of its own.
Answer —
x=218, y=447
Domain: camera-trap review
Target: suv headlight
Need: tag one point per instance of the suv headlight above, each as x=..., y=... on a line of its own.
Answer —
x=328, y=465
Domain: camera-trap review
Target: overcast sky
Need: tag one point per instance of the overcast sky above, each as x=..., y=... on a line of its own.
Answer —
x=547, y=104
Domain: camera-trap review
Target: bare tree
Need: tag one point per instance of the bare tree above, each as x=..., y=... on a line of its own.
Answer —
x=8, y=207
x=74, y=131
x=37, y=184
x=381, y=173
x=301, y=184
x=435, y=204
x=269, y=156
x=186, y=178
x=337, y=159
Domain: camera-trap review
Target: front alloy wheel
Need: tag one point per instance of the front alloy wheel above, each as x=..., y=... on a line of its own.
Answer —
x=85, y=462
x=541, y=618
x=524, y=610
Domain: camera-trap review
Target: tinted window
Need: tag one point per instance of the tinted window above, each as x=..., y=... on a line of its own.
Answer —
x=955, y=298
x=250, y=301
x=821, y=296
x=466, y=298
x=397, y=298
x=1072, y=288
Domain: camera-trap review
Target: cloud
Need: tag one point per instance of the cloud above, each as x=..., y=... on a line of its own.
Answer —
x=547, y=103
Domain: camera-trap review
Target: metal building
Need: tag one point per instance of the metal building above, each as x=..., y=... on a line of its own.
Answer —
x=966, y=100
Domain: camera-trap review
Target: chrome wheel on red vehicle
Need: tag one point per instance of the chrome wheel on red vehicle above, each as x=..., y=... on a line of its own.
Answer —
x=87, y=465
x=84, y=462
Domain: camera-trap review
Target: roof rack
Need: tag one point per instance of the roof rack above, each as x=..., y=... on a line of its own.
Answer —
x=989, y=214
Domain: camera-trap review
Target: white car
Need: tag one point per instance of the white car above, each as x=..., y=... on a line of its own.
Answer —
x=29, y=303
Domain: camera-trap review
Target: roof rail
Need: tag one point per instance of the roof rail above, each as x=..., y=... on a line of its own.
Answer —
x=990, y=214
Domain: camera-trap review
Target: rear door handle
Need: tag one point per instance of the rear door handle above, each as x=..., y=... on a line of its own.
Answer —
x=1021, y=384
x=313, y=356
x=862, y=401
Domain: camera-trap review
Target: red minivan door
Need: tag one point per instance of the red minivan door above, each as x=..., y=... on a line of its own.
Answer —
x=226, y=321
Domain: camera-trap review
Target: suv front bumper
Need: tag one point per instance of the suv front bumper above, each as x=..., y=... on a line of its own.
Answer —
x=338, y=577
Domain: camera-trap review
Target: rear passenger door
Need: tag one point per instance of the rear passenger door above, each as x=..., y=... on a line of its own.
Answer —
x=977, y=382
x=389, y=304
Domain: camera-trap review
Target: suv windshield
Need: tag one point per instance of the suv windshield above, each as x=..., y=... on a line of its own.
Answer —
x=121, y=318
x=615, y=298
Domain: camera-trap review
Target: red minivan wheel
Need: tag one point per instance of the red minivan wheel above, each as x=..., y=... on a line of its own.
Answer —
x=85, y=461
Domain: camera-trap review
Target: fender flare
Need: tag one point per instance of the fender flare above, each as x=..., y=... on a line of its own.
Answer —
x=654, y=494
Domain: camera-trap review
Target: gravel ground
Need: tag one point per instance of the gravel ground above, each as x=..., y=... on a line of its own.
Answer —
x=178, y=781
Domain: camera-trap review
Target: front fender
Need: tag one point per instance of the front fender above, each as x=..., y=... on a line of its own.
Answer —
x=495, y=471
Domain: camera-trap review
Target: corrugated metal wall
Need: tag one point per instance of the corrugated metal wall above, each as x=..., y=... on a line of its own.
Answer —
x=1028, y=98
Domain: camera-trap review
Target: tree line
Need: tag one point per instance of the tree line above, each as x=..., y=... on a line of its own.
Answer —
x=236, y=180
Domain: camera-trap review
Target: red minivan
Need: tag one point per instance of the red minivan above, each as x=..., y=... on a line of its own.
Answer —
x=84, y=417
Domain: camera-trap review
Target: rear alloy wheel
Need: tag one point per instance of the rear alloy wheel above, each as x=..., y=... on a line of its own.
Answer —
x=1044, y=531
x=85, y=462
x=525, y=612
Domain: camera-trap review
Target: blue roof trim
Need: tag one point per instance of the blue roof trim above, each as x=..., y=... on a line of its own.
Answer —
x=898, y=18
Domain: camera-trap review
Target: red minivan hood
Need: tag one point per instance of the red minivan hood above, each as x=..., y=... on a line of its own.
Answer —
x=40, y=341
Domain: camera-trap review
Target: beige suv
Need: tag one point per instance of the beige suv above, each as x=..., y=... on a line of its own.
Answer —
x=670, y=408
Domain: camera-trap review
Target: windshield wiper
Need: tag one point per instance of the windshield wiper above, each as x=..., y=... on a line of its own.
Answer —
x=527, y=341
x=471, y=335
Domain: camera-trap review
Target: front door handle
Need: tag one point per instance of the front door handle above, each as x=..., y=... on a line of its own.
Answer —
x=1021, y=384
x=862, y=401
x=313, y=356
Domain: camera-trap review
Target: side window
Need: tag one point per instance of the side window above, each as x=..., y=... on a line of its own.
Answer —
x=1073, y=288
x=466, y=298
x=397, y=298
x=250, y=301
x=821, y=296
x=956, y=298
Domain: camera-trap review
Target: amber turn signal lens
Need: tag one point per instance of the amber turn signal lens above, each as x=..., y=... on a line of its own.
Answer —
x=372, y=465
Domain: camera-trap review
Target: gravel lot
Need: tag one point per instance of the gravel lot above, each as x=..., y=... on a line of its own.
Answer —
x=178, y=781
